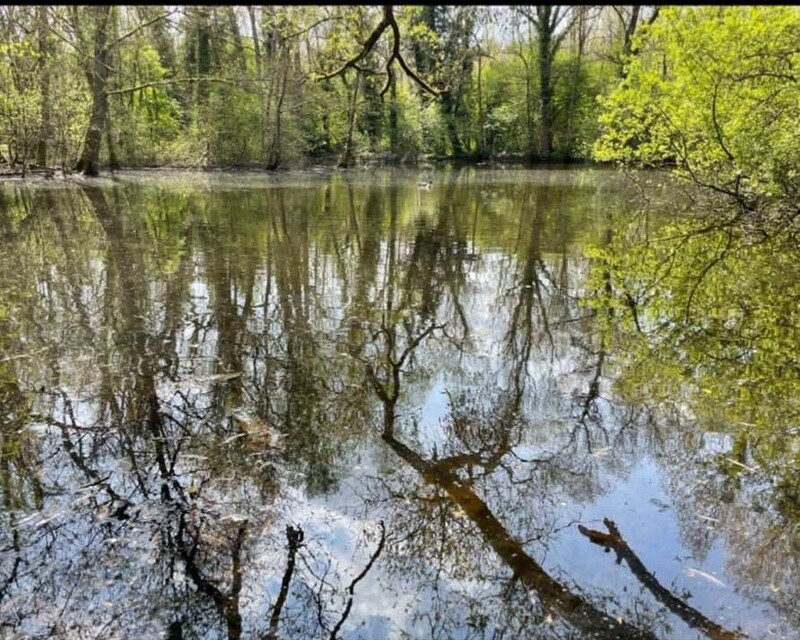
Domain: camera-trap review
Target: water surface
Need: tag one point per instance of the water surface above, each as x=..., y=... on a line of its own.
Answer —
x=320, y=405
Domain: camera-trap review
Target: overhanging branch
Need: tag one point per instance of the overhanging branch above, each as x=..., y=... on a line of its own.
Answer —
x=388, y=21
x=368, y=45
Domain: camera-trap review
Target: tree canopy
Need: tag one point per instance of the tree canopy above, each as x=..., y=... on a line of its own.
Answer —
x=711, y=90
x=714, y=91
x=92, y=87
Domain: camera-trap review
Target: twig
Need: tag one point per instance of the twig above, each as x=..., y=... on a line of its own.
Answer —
x=357, y=579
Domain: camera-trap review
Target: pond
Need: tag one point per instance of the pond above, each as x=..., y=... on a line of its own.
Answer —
x=377, y=404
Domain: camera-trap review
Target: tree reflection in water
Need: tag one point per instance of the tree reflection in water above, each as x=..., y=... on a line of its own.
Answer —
x=345, y=408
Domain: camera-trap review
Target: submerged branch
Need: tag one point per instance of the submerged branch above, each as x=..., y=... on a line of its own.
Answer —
x=614, y=540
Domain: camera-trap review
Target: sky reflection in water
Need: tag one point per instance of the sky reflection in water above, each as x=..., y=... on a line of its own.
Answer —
x=190, y=363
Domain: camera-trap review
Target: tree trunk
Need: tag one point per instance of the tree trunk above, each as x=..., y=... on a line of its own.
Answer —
x=574, y=90
x=113, y=161
x=630, y=29
x=550, y=32
x=348, y=156
x=481, y=133
x=451, y=115
x=98, y=78
x=529, y=129
x=545, y=94
x=238, y=46
x=256, y=37
x=275, y=149
x=394, y=133
x=44, y=85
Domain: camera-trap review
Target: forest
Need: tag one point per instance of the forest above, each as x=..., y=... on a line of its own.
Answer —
x=90, y=87
x=378, y=322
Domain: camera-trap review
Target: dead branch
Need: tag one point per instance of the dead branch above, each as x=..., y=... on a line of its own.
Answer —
x=614, y=540
x=170, y=81
x=143, y=25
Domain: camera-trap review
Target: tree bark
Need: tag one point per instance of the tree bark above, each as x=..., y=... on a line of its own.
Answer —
x=238, y=46
x=45, y=50
x=255, y=35
x=98, y=71
x=546, y=90
x=348, y=156
x=550, y=33
x=113, y=160
x=394, y=132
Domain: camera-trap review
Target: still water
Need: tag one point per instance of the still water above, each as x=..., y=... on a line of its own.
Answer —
x=511, y=404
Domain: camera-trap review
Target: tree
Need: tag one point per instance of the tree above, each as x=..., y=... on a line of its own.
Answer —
x=552, y=24
x=45, y=61
x=630, y=20
x=725, y=116
x=444, y=49
x=360, y=64
x=97, y=68
x=97, y=71
x=25, y=100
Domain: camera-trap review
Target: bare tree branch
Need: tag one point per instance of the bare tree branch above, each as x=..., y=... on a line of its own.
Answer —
x=718, y=127
x=143, y=25
x=614, y=540
x=161, y=83
x=357, y=579
x=388, y=21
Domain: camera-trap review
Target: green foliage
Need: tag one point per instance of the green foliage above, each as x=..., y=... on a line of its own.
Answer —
x=706, y=322
x=240, y=84
x=577, y=108
x=432, y=129
x=69, y=114
x=331, y=119
x=20, y=102
x=231, y=137
x=150, y=114
x=416, y=122
x=320, y=128
x=504, y=126
x=713, y=90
